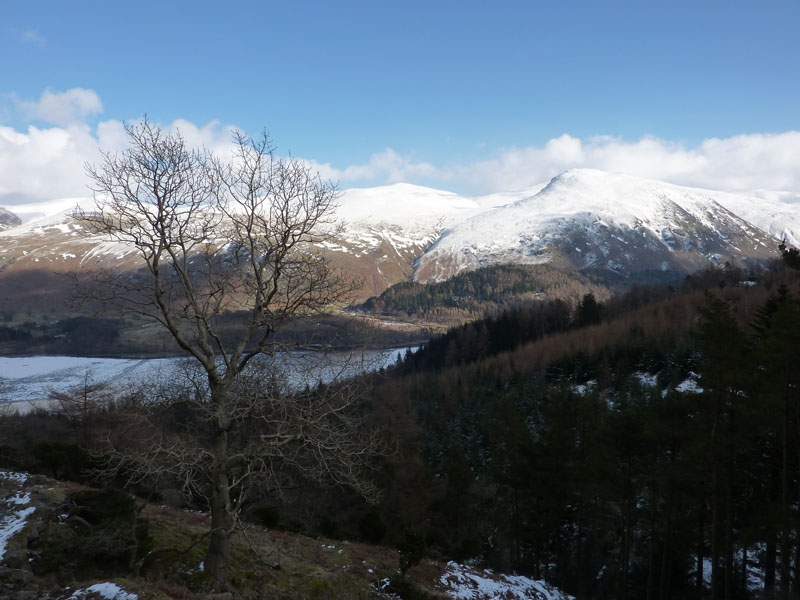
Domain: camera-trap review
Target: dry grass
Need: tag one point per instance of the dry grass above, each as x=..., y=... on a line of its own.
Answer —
x=266, y=563
x=271, y=563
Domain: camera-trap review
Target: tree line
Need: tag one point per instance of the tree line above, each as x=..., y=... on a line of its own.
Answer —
x=487, y=291
x=662, y=462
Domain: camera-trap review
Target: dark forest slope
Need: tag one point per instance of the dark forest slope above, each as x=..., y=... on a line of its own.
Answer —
x=621, y=459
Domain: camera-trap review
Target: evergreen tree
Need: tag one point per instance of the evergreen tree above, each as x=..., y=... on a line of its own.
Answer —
x=589, y=311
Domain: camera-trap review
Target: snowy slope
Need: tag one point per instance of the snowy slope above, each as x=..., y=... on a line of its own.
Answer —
x=38, y=210
x=8, y=219
x=386, y=228
x=780, y=219
x=404, y=215
x=54, y=240
x=462, y=583
x=597, y=220
x=401, y=204
x=499, y=199
x=582, y=219
x=12, y=516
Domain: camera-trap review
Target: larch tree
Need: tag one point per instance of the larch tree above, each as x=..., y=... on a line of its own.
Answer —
x=217, y=238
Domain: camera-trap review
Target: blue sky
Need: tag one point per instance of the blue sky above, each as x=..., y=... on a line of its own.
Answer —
x=434, y=92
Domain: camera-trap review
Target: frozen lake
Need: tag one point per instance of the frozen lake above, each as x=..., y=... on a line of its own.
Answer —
x=27, y=381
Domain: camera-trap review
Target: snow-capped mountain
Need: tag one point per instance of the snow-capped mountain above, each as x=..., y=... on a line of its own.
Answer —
x=588, y=220
x=593, y=220
x=386, y=228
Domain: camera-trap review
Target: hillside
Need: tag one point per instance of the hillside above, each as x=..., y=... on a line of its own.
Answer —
x=607, y=224
x=482, y=292
x=62, y=540
x=8, y=219
x=613, y=228
x=627, y=455
x=601, y=446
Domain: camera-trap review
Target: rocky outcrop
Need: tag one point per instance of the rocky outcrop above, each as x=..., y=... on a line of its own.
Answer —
x=8, y=219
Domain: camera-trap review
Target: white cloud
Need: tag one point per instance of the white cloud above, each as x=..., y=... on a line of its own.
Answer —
x=42, y=164
x=63, y=108
x=213, y=136
x=29, y=36
x=46, y=163
x=753, y=163
x=384, y=167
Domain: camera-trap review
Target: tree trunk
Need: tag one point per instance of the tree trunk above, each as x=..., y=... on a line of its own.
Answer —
x=651, y=550
x=785, y=547
x=626, y=547
x=716, y=574
x=651, y=567
x=666, y=551
x=770, y=565
x=729, y=533
x=218, y=557
x=744, y=568
x=222, y=521
x=701, y=542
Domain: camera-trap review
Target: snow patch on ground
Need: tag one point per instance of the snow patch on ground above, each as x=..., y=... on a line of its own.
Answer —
x=689, y=385
x=109, y=591
x=584, y=388
x=462, y=582
x=14, y=521
x=646, y=379
x=12, y=476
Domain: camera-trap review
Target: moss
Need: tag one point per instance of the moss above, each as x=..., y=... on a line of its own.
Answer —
x=319, y=588
x=176, y=551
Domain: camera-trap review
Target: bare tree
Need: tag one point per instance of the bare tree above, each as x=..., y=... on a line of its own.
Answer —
x=6, y=406
x=217, y=238
x=81, y=404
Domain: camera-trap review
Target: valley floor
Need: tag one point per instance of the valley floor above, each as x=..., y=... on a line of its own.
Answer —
x=28, y=382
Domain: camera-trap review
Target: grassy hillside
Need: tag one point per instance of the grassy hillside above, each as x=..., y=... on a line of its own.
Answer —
x=58, y=538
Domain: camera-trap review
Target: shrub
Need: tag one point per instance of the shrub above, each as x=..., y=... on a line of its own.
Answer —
x=371, y=527
x=61, y=460
x=411, y=548
x=102, y=533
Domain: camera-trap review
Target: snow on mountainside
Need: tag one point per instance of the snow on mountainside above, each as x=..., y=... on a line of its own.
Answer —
x=780, y=219
x=8, y=219
x=583, y=219
x=402, y=214
x=54, y=240
x=386, y=228
x=588, y=219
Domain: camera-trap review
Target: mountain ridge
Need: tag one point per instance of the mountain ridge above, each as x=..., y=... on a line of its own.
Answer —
x=8, y=219
x=595, y=222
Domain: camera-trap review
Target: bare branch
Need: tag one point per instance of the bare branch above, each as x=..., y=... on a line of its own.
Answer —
x=218, y=238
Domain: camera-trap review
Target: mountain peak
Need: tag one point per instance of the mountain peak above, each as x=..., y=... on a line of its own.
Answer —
x=401, y=204
x=601, y=221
